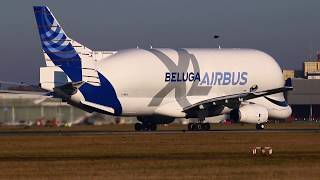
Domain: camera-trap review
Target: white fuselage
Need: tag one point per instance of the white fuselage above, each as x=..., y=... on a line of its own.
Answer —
x=163, y=81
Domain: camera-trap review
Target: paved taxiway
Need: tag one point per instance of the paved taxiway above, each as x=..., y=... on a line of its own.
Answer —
x=103, y=133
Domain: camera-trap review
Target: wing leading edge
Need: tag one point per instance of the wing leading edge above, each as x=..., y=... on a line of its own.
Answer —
x=231, y=100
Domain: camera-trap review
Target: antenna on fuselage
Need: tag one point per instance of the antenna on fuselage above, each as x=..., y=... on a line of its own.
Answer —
x=217, y=37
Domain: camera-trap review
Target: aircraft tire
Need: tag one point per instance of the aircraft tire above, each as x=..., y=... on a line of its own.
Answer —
x=205, y=126
x=138, y=126
x=190, y=126
x=199, y=126
x=260, y=126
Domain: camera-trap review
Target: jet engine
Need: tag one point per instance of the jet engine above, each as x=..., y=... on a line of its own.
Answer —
x=251, y=113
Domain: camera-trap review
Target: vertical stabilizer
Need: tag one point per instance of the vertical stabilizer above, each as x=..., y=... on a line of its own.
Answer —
x=74, y=59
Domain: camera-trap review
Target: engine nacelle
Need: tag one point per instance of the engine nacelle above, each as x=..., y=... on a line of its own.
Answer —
x=251, y=113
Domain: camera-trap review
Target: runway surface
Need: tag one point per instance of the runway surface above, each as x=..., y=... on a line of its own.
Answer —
x=118, y=152
x=104, y=133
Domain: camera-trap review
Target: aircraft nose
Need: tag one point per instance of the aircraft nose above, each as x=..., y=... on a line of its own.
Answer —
x=282, y=113
x=288, y=112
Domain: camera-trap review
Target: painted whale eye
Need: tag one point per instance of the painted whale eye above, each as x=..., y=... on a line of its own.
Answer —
x=254, y=88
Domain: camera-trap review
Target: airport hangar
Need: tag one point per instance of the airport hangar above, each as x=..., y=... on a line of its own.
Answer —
x=304, y=99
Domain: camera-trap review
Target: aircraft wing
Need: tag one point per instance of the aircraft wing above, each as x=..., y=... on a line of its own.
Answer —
x=234, y=99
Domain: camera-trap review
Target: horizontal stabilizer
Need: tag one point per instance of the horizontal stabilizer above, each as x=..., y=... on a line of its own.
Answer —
x=100, y=107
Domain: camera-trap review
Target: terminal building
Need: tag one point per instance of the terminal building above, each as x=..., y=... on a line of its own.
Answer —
x=36, y=110
x=27, y=109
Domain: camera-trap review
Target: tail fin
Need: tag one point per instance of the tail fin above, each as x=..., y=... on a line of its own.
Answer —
x=62, y=54
x=57, y=46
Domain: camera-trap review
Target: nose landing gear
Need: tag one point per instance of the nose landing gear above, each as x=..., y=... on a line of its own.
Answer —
x=260, y=126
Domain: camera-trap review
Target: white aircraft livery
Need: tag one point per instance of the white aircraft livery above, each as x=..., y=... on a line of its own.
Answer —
x=158, y=85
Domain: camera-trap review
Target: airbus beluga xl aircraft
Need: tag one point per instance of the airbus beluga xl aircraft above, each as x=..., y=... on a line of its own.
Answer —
x=159, y=85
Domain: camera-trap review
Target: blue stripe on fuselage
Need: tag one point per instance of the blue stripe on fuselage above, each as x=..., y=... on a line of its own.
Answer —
x=104, y=95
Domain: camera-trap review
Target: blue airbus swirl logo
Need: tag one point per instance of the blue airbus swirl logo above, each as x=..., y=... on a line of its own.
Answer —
x=56, y=44
x=54, y=41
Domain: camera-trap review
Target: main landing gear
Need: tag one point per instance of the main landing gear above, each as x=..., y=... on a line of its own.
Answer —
x=145, y=127
x=199, y=126
x=260, y=126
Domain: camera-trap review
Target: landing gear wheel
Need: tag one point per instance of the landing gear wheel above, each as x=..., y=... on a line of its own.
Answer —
x=145, y=127
x=138, y=126
x=193, y=126
x=190, y=126
x=198, y=126
x=260, y=126
x=205, y=126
